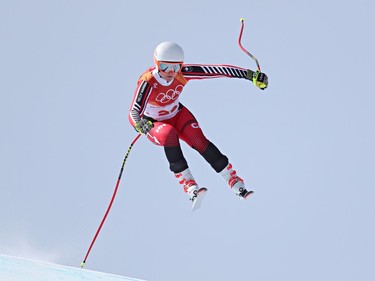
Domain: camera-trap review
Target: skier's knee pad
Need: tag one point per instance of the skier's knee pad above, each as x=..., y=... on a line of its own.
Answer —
x=177, y=161
x=215, y=158
x=179, y=166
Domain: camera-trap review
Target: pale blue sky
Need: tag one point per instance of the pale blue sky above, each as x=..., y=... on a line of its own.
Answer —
x=306, y=145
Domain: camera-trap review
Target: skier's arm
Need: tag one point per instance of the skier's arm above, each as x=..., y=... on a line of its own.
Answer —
x=198, y=71
x=141, y=94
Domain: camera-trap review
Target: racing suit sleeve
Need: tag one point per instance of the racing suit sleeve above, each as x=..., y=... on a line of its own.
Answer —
x=198, y=71
x=137, y=107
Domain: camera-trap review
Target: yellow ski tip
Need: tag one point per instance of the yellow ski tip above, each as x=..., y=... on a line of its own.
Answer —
x=242, y=19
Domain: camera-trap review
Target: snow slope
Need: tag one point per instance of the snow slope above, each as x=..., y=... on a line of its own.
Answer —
x=18, y=269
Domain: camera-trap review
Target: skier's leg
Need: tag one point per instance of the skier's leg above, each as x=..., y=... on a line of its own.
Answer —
x=192, y=134
x=220, y=163
x=166, y=135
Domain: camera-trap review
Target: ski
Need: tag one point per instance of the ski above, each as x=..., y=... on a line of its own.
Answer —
x=197, y=200
x=245, y=194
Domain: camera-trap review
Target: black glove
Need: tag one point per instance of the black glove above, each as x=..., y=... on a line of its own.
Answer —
x=143, y=126
x=259, y=79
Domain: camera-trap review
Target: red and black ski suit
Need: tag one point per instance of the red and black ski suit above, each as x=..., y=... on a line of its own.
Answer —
x=158, y=100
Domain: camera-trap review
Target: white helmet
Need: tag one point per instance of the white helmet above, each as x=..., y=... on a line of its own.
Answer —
x=169, y=52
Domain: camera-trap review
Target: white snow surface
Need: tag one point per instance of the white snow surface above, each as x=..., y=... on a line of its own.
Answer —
x=19, y=269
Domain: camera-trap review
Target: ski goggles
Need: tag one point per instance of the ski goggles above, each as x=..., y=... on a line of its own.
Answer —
x=169, y=67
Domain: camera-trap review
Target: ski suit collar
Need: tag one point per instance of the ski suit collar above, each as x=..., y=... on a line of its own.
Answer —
x=158, y=78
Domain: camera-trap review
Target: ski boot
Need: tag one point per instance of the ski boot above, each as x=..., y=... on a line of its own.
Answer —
x=238, y=186
x=191, y=188
x=188, y=183
x=235, y=182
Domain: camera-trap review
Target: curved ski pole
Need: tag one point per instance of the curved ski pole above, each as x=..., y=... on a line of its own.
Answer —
x=111, y=202
x=242, y=48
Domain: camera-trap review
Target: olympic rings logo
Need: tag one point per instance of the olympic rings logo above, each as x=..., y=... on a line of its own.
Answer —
x=170, y=95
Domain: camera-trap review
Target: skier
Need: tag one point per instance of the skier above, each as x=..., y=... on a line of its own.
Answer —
x=156, y=111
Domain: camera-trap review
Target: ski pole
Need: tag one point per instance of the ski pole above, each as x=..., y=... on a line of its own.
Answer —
x=111, y=202
x=242, y=48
